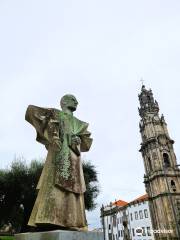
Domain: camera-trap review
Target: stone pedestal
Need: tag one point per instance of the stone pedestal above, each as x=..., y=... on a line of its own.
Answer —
x=60, y=235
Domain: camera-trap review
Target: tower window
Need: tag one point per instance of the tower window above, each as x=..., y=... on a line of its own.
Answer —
x=166, y=160
x=173, y=186
x=149, y=98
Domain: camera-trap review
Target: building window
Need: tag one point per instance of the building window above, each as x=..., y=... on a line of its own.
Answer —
x=133, y=233
x=145, y=213
x=114, y=221
x=136, y=215
x=131, y=217
x=144, y=231
x=119, y=233
x=173, y=186
x=110, y=236
x=109, y=226
x=141, y=214
x=148, y=231
x=166, y=160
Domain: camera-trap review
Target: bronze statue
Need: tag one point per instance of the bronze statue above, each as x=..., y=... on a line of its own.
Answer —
x=61, y=187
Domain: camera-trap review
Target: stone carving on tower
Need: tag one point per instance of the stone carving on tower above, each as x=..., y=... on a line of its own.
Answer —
x=162, y=175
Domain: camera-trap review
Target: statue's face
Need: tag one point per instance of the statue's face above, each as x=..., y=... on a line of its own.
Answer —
x=69, y=102
x=72, y=103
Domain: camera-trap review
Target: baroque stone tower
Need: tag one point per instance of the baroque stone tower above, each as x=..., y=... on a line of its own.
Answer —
x=162, y=175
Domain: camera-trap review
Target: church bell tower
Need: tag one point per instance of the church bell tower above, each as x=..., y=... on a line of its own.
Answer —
x=162, y=175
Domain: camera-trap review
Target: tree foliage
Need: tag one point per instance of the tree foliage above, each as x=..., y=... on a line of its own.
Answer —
x=18, y=191
x=92, y=188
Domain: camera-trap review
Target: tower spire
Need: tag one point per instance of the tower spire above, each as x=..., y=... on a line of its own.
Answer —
x=147, y=102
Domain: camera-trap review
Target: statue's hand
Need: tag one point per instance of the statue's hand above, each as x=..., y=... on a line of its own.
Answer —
x=56, y=142
x=75, y=140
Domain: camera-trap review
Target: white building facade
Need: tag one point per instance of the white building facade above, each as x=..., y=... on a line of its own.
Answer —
x=127, y=221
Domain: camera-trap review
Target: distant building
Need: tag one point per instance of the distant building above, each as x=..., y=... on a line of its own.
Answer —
x=127, y=221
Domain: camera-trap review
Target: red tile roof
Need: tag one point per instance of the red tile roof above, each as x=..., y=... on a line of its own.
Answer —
x=121, y=203
x=141, y=198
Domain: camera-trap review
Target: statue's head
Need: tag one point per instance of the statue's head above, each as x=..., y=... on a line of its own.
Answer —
x=68, y=102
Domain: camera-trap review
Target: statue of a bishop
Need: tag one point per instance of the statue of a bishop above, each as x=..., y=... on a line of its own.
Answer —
x=60, y=200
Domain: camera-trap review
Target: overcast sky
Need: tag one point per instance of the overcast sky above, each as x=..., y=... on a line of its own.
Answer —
x=97, y=50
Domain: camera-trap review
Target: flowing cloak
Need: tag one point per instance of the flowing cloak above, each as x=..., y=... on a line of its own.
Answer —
x=60, y=199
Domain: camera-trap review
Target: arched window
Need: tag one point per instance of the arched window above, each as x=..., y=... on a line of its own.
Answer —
x=173, y=186
x=166, y=160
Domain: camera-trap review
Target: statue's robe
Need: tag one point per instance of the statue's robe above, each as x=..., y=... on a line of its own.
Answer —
x=61, y=187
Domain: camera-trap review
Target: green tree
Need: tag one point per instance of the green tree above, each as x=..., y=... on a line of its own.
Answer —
x=92, y=187
x=18, y=190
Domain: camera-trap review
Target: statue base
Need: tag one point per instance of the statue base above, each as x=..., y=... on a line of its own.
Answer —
x=60, y=235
